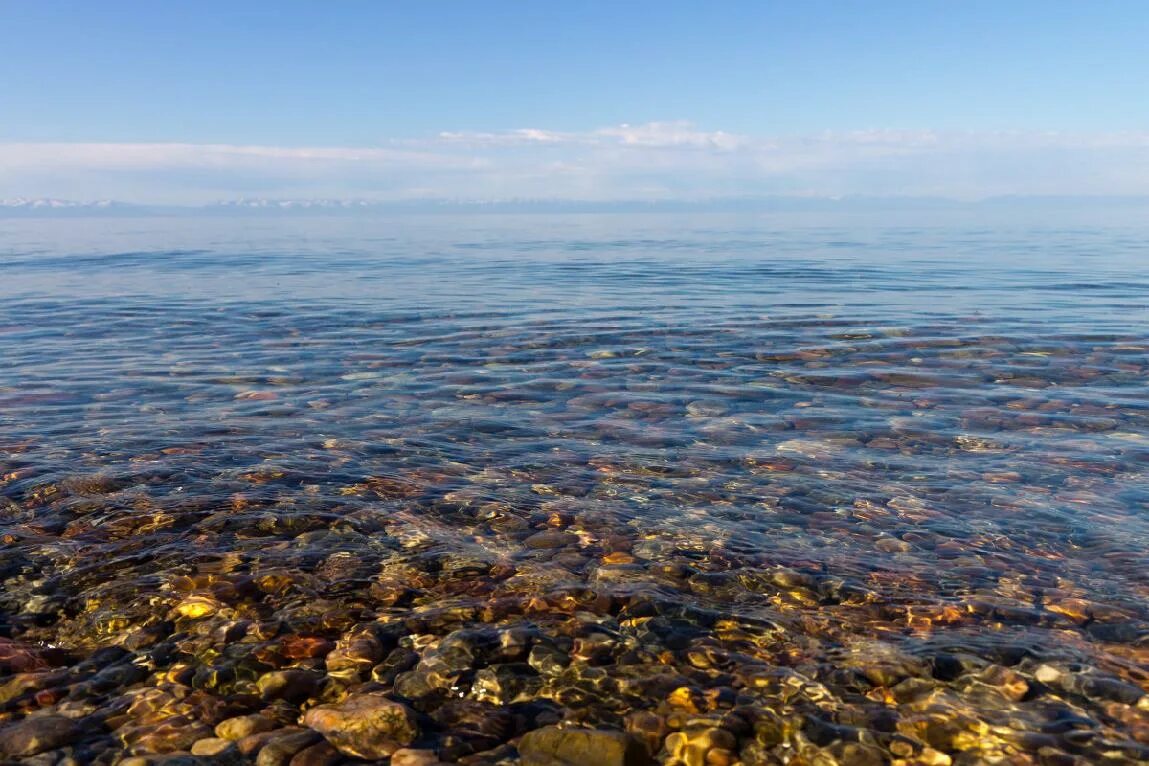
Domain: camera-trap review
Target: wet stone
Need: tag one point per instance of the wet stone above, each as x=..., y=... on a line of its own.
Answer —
x=180, y=759
x=38, y=734
x=366, y=726
x=168, y=735
x=253, y=743
x=547, y=659
x=552, y=746
x=243, y=726
x=292, y=685
x=650, y=728
x=507, y=683
x=354, y=655
x=701, y=745
x=550, y=539
x=398, y=661
x=472, y=726
x=210, y=746
x=413, y=757
x=320, y=754
x=280, y=750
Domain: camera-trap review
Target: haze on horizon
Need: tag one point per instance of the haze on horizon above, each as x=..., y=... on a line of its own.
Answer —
x=187, y=104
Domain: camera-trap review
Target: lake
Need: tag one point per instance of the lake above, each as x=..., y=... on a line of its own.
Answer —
x=769, y=489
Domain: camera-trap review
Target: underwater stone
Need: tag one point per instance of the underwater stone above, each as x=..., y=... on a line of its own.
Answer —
x=552, y=746
x=38, y=734
x=365, y=726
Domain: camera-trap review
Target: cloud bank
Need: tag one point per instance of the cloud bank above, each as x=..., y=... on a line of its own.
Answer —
x=653, y=161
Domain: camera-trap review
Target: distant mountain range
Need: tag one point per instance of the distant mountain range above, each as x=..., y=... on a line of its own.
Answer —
x=46, y=207
x=21, y=203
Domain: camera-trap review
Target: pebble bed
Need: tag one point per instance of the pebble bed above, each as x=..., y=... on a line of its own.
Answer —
x=797, y=540
x=573, y=491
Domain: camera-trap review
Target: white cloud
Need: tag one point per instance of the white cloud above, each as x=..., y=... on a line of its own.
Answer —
x=651, y=134
x=521, y=137
x=147, y=156
x=663, y=134
x=653, y=160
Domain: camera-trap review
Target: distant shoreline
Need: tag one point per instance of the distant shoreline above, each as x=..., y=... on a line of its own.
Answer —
x=50, y=208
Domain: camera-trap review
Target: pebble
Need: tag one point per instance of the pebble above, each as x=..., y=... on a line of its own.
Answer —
x=410, y=757
x=280, y=750
x=553, y=746
x=551, y=538
x=37, y=734
x=243, y=726
x=320, y=754
x=253, y=743
x=366, y=726
x=210, y=746
x=293, y=685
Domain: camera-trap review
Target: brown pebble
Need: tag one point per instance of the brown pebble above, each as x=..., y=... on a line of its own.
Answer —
x=210, y=746
x=243, y=726
x=281, y=749
x=618, y=558
x=304, y=647
x=37, y=734
x=581, y=747
x=294, y=685
x=551, y=538
x=367, y=726
x=720, y=757
x=411, y=757
x=319, y=754
x=649, y=727
x=253, y=743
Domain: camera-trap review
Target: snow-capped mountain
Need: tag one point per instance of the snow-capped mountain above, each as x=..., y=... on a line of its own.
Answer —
x=23, y=203
x=296, y=204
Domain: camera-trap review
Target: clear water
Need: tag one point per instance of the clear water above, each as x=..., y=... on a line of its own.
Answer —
x=892, y=440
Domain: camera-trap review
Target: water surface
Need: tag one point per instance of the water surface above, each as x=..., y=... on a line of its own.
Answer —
x=882, y=485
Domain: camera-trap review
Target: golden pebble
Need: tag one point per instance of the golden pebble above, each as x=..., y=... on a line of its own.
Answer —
x=618, y=558
x=195, y=607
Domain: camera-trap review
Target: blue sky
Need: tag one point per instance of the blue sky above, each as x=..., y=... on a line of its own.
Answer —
x=182, y=101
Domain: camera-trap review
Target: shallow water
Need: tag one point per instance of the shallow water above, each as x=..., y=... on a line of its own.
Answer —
x=885, y=484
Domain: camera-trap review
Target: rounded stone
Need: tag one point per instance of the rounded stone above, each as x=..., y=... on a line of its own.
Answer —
x=38, y=734
x=410, y=757
x=367, y=726
x=552, y=746
x=551, y=538
x=210, y=746
x=243, y=726
x=319, y=754
x=280, y=750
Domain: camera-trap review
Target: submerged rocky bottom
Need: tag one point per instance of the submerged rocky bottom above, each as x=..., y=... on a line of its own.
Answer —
x=755, y=542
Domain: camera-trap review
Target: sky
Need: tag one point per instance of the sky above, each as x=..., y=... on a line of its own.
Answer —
x=190, y=102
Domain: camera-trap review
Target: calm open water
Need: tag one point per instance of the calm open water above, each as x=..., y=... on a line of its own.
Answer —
x=886, y=484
